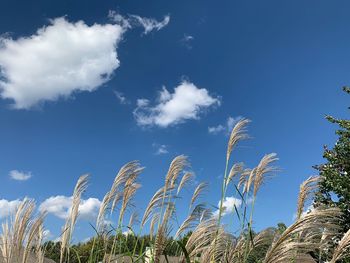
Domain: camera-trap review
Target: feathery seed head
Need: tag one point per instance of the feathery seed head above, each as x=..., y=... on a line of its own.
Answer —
x=238, y=133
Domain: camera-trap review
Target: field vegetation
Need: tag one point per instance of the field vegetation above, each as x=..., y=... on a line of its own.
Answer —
x=319, y=234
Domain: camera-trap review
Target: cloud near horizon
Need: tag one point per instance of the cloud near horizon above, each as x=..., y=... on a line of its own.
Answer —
x=60, y=206
x=186, y=103
x=7, y=207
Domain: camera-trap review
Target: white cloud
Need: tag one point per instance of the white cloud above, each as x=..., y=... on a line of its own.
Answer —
x=224, y=128
x=121, y=98
x=187, y=38
x=58, y=60
x=306, y=211
x=119, y=19
x=150, y=24
x=57, y=205
x=60, y=206
x=20, y=176
x=7, y=208
x=140, y=103
x=228, y=205
x=186, y=41
x=128, y=232
x=187, y=102
x=87, y=239
x=216, y=129
x=89, y=208
x=161, y=149
x=47, y=235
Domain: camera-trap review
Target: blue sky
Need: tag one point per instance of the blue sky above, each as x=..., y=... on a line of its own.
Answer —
x=70, y=107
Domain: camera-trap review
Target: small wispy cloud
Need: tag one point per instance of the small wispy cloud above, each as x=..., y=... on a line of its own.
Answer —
x=121, y=97
x=19, y=175
x=185, y=103
x=186, y=41
x=140, y=103
x=160, y=149
x=148, y=24
x=225, y=128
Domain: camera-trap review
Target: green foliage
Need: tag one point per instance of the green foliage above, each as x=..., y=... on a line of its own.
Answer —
x=52, y=250
x=125, y=246
x=335, y=188
x=281, y=227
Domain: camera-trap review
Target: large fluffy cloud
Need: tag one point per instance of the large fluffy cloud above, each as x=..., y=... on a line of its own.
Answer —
x=57, y=60
x=187, y=102
x=8, y=207
x=60, y=206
